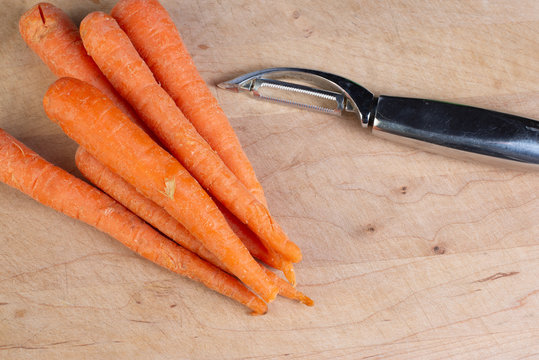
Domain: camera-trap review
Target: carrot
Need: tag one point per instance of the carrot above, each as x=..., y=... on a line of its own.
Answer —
x=256, y=248
x=287, y=290
x=157, y=40
x=51, y=34
x=146, y=209
x=128, y=196
x=113, y=52
x=26, y=171
x=47, y=30
x=93, y=121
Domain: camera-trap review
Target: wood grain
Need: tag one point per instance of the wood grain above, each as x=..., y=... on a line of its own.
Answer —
x=407, y=254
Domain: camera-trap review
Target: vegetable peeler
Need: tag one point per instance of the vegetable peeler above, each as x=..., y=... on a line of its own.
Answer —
x=435, y=126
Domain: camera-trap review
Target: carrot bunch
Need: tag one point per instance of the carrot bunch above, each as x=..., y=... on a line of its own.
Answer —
x=154, y=139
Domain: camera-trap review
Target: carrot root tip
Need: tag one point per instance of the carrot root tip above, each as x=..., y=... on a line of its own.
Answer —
x=307, y=300
x=290, y=274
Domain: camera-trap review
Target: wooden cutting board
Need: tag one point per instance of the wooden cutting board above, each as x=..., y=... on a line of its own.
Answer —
x=407, y=254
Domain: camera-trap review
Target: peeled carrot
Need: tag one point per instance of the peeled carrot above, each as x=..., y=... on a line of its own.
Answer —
x=156, y=216
x=51, y=34
x=26, y=171
x=159, y=43
x=92, y=120
x=113, y=52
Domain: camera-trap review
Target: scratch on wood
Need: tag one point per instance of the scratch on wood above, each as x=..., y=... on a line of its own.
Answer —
x=48, y=346
x=465, y=293
x=86, y=344
x=371, y=356
x=141, y=321
x=73, y=261
x=522, y=302
x=37, y=347
x=497, y=276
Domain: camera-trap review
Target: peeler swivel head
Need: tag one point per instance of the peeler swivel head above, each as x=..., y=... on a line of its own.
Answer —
x=305, y=88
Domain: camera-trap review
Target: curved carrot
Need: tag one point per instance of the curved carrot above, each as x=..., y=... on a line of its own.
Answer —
x=51, y=34
x=157, y=40
x=26, y=171
x=146, y=209
x=92, y=120
x=113, y=52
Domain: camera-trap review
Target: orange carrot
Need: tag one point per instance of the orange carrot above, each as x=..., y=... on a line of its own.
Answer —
x=113, y=52
x=92, y=120
x=256, y=248
x=51, y=34
x=157, y=40
x=146, y=209
x=287, y=290
x=55, y=38
x=26, y=171
x=156, y=216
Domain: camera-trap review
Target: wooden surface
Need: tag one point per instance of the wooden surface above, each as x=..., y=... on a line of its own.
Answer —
x=408, y=255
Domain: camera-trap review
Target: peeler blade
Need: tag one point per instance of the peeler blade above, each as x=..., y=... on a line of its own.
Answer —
x=299, y=95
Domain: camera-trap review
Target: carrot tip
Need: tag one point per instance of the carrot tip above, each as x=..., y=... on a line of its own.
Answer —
x=256, y=313
x=291, y=252
x=306, y=300
x=289, y=273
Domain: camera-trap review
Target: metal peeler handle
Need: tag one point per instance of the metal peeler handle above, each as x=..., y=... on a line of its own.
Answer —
x=446, y=128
